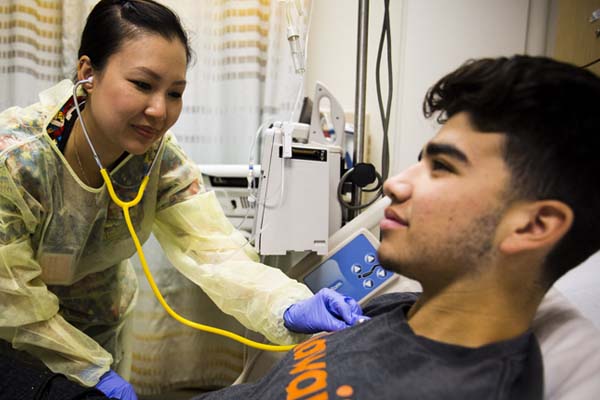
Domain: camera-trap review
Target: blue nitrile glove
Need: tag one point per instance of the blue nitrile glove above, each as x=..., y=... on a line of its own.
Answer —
x=115, y=387
x=327, y=310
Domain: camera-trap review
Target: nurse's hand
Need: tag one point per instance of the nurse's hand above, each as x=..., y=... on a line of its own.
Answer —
x=115, y=387
x=325, y=311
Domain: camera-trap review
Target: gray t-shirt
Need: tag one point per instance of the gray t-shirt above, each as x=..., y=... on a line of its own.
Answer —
x=383, y=359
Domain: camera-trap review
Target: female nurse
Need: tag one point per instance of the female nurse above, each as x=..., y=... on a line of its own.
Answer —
x=66, y=286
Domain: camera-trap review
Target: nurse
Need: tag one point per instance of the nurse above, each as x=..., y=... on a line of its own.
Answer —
x=66, y=286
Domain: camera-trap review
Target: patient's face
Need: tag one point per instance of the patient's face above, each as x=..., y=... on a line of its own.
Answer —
x=445, y=209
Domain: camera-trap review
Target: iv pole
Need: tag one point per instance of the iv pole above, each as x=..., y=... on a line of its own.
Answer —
x=360, y=95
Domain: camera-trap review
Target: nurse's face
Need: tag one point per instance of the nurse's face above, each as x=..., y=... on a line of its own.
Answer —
x=136, y=98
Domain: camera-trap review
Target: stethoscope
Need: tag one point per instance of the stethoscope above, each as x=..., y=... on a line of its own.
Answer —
x=125, y=206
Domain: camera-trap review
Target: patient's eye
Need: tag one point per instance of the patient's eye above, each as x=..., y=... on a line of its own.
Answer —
x=438, y=165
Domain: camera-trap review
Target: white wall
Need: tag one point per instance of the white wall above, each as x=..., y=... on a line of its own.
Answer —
x=440, y=36
x=431, y=38
x=332, y=56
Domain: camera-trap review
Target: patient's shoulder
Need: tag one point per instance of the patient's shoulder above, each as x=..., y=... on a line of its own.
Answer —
x=388, y=302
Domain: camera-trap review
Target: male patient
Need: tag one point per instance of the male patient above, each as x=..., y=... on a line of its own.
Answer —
x=502, y=202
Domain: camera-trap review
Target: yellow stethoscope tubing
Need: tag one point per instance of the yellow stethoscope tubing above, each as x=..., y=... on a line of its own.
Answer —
x=125, y=205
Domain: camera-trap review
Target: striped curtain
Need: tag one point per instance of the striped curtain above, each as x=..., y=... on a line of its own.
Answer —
x=30, y=49
x=242, y=74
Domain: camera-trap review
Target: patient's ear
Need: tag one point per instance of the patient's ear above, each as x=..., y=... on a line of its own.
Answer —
x=535, y=225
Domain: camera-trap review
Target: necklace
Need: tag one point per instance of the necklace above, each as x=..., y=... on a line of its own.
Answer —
x=85, y=178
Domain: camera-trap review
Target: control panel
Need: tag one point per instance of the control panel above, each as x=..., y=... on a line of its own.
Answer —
x=352, y=269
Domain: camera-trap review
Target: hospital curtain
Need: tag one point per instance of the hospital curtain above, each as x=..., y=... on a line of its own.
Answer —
x=241, y=75
x=30, y=49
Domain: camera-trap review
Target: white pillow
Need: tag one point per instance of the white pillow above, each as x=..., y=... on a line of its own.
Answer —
x=570, y=345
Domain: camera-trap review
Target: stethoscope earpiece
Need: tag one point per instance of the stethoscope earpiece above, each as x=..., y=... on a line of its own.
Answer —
x=84, y=81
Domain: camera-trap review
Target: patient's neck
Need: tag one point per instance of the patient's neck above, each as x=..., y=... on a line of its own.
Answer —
x=473, y=315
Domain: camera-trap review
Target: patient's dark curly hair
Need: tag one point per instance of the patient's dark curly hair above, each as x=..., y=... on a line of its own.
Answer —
x=550, y=113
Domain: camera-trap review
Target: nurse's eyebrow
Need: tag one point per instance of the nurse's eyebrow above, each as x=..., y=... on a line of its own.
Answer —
x=434, y=149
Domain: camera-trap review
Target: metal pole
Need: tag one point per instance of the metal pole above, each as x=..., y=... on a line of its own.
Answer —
x=360, y=94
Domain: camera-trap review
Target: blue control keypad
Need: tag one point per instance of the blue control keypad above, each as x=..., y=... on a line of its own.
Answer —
x=354, y=270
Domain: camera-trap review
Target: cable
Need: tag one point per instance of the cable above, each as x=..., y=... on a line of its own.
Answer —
x=349, y=206
x=281, y=189
x=385, y=114
x=238, y=226
x=249, y=362
x=250, y=177
x=597, y=60
x=261, y=127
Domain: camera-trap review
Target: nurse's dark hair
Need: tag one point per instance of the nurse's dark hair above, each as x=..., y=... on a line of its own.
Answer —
x=548, y=111
x=112, y=22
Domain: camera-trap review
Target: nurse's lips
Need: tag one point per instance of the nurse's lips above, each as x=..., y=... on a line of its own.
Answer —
x=392, y=220
x=146, y=131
